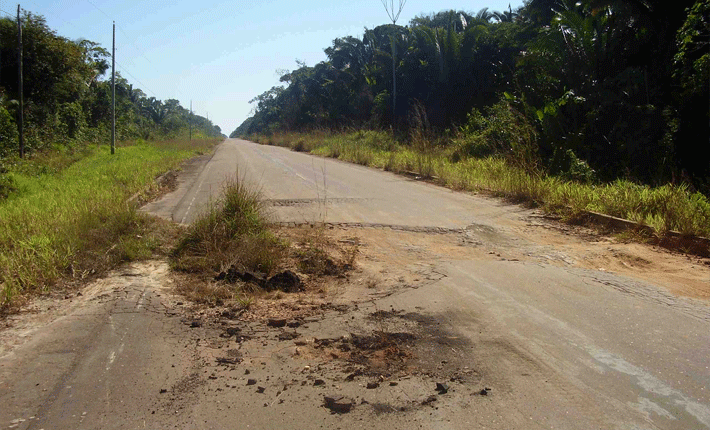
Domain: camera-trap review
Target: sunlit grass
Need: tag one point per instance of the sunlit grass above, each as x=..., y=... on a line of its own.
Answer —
x=665, y=208
x=70, y=218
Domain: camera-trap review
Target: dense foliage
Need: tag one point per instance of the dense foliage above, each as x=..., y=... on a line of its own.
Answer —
x=599, y=89
x=67, y=94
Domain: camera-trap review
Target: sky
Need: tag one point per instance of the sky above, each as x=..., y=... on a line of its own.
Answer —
x=221, y=54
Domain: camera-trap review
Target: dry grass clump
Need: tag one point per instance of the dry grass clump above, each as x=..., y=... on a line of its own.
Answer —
x=234, y=232
x=233, y=252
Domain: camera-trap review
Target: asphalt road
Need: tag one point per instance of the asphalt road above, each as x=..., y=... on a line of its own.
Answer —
x=643, y=355
x=577, y=348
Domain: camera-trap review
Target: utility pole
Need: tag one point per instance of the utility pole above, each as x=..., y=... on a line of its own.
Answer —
x=21, y=122
x=190, y=120
x=113, y=92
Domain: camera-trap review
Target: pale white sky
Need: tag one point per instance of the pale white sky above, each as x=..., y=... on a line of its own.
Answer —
x=218, y=53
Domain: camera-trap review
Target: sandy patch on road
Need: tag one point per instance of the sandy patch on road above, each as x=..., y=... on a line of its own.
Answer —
x=680, y=274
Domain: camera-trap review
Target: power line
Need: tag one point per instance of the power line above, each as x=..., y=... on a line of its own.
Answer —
x=135, y=45
x=121, y=67
x=97, y=8
x=135, y=79
x=122, y=31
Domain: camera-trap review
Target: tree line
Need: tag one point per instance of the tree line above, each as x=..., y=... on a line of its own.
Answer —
x=67, y=94
x=607, y=89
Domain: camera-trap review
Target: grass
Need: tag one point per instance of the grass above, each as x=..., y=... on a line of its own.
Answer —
x=234, y=232
x=69, y=219
x=236, y=235
x=665, y=208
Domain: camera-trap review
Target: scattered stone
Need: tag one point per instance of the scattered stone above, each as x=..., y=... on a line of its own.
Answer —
x=260, y=389
x=393, y=383
x=293, y=324
x=233, y=275
x=231, y=331
x=318, y=382
x=372, y=385
x=195, y=324
x=442, y=388
x=228, y=360
x=352, y=376
x=251, y=381
x=338, y=404
x=287, y=335
x=276, y=322
x=163, y=391
x=286, y=281
x=429, y=400
x=484, y=392
x=247, y=371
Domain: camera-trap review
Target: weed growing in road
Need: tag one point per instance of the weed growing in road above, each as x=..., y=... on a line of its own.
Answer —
x=232, y=233
x=235, y=235
x=69, y=218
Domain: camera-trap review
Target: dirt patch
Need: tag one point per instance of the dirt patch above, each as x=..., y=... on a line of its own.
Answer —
x=378, y=352
x=163, y=184
x=557, y=243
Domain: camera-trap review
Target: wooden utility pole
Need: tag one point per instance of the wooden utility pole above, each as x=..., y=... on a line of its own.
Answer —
x=21, y=116
x=113, y=92
x=190, y=120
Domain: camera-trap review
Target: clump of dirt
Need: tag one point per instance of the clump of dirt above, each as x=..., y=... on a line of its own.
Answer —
x=308, y=265
x=316, y=253
x=288, y=307
x=378, y=353
x=316, y=261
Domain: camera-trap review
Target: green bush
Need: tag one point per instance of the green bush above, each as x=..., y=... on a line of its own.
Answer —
x=7, y=183
x=8, y=132
x=501, y=131
x=568, y=166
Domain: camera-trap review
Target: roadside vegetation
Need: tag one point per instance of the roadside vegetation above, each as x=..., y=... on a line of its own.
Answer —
x=665, y=208
x=64, y=210
x=598, y=90
x=69, y=217
x=67, y=100
x=233, y=232
x=592, y=105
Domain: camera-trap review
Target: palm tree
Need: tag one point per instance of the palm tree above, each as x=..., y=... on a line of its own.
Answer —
x=393, y=12
x=484, y=15
x=505, y=16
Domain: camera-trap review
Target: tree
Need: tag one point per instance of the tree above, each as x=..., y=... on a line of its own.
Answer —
x=393, y=13
x=692, y=77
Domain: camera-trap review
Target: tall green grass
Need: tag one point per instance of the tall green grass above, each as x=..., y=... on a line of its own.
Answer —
x=69, y=217
x=665, y=208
